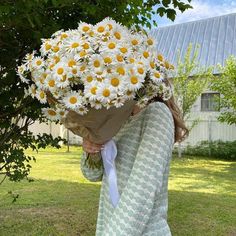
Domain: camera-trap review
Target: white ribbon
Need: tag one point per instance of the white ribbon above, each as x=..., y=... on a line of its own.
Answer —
x=108, y=156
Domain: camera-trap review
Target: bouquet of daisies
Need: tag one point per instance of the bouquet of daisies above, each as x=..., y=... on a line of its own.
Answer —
x=90, y=78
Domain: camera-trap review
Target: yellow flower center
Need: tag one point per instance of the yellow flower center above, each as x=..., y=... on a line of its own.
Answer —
x=71, y=63
x=140, y=70
x=119, y=58
x=39, y=62
x=63, y=36
x=93, y=90
x=160, y=57
x=63, y=79
x=60, y=71
x=115, y=82
x=131, y=60
x=129, y=92
x=85, y=46
x=146, y=54
x=167, y=65
x=82, y=68
x=51, y=113
x=110, y=26
x=134, y=42
x=86, y=28
x=109, y=70
x=42, y=95
x=56, y=49
x=51, y=83
x=111, y=45
x=106, y=93
x=73, y=100
x=123, y=50
x=48, y=46
x=152, y=64
x=74, y=45
x=157, y=75
x=120, y=70
x=57, y=59
x=74, y=71
x=107, y=60
x=91, y=33
x=134, y=80
x=100, y=29
x=96, y=63
x=89, y=79
x=82, y=53
x=150, y=42
x=117, y=35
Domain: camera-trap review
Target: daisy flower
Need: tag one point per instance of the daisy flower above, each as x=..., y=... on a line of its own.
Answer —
x=109, y=22
x=72, y=100
x=124, y=48
x=119, y=102
x=46, y=46
x=85, y=28
x=50, y=83
x=105, y=94
x=62, y=81
x=96, y=104
x=73, y=44
x=156, y=77
x=90, y=91
x=82, y=110
x=136, y=40
x=100, y=29
x=41, y=96
x=37, y=63
x=59, y=70
x=96, y=62
x=111, y=46
x=108, y=58
x=50, y=114
x=32, y=90
x=21, y=73
x=129, y=94
x=134, y=82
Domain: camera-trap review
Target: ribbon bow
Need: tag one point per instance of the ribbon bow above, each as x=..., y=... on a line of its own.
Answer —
x=109, y=154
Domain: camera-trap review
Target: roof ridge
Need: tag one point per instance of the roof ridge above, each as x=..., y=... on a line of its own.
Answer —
x=195, y=21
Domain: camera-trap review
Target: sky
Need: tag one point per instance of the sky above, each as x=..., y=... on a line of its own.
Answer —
x=201, y=9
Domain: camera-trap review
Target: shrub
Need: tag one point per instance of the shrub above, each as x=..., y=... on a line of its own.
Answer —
x=217, y=149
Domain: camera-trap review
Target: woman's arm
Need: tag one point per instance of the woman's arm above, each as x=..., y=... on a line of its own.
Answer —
x=137, y=199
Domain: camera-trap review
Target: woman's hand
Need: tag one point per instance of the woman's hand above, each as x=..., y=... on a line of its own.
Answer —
x=91, y=147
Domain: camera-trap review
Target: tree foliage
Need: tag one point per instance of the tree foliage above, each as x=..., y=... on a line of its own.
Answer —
x=190, y=80
x=225, y=84
x=22, y=25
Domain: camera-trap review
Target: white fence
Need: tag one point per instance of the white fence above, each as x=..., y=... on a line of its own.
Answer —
x=209, y=130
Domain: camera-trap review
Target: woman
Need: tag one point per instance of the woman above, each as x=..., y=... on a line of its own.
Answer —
x=144, y=146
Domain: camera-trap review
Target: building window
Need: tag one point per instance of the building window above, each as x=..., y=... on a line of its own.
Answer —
x=210, y=102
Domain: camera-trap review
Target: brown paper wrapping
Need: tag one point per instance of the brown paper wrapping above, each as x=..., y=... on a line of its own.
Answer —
x=101, y=125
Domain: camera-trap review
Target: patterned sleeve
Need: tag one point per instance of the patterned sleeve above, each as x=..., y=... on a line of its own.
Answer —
x=93, y=175
x=137, y=199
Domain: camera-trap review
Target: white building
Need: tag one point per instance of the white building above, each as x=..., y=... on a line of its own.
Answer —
x=217, y=39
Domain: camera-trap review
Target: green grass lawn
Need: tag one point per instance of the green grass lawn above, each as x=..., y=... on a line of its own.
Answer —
x=202, y=198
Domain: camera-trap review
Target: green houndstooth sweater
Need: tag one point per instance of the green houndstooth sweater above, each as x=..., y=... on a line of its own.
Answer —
x=144, y=146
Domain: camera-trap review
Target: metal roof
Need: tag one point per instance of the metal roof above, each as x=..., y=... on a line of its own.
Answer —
x=216, y=37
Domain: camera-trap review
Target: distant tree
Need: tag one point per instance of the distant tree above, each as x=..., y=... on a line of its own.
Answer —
x=22, y=25
x=189, y=81
x=225, y=84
